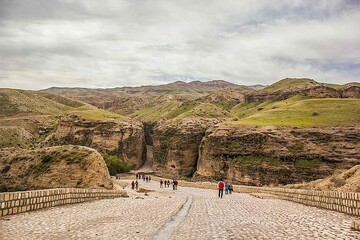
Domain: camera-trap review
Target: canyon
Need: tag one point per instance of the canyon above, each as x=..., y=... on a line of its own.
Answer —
x=293, y=131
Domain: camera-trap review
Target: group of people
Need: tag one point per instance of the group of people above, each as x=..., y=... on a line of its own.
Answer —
x=143, y=177
x=167, y=183
x=135, y=185
x=225, y=185
x=228, y=187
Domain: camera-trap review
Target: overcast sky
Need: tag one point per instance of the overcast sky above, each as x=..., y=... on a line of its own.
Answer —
x=104, y=43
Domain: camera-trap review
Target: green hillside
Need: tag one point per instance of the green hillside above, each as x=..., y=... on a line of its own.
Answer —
x=154, y=113
x=300, y=111
x=18, y=103
x=13, y=102
x=288, y=84
x=206, y=110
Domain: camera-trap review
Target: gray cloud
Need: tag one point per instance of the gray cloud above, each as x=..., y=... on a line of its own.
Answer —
x=138, y=42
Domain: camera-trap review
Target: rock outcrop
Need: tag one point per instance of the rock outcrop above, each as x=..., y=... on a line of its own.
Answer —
x=320, y=91
x=124, y=139
x=53, y=167
x=347, y=181
x=276, y=155
x=176, y=146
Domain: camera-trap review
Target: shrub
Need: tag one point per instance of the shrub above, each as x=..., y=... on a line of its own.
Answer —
x=3, y=188
x=185, y=179
x=46, y=158
x=115, y=165
x=315, y=114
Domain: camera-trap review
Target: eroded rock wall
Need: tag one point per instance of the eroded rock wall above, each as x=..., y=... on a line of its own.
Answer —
x=276, y=155
x=176, y=146
x=124, y=139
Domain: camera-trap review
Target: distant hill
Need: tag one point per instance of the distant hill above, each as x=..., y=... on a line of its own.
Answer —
x=28, y=117
x=133, y=100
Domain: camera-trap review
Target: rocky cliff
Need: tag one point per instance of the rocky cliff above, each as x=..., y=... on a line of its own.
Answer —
x=319, y=91
x=124, y=139
x=255, y=155
x=52, y=167
x=176, y=145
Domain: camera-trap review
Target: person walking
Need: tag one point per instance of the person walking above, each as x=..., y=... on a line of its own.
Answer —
x=227, y=186
x=161, y=183
x=231, y=189
x=221, y=186
x=175, y=184
x=136, y=185
x=132, y=185
x=168, y=183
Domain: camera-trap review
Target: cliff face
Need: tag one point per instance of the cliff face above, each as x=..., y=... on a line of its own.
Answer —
x=124, y=139
x=53, y=167
x=316, y=91
x=265, y=155
x=176, y=146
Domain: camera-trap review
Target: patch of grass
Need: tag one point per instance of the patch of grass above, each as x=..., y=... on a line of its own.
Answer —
x=185, y=107
x=257, y=160
x=6, y=107
x=233, y=145
x=63, y=100
x=303, y=163
x=298, y=111
x=98, y=115
x=249, y=160
x=14, y=137
x=185, y=179
x=297, y=146
x=207, y=110
x=115, y=165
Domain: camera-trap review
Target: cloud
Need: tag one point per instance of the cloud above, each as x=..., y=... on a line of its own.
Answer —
x=129, y=43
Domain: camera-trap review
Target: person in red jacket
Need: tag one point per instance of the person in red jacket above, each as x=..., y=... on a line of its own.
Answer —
x=221, y=186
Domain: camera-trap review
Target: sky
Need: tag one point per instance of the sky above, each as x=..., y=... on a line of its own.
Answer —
x=114, y=43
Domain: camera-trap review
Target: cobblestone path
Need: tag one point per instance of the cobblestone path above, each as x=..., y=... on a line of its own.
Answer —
x=236, y=216
x=241, y=216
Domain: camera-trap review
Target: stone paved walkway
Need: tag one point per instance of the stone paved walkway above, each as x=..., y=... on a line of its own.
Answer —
x=236, y=216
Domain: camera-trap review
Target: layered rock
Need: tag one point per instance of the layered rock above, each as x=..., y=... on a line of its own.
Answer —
x=276, y=155
x=320, y=91
x=53, y=167
x=124, y=139
x=176, y=146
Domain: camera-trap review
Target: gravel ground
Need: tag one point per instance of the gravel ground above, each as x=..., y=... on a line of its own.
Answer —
x=236, y=216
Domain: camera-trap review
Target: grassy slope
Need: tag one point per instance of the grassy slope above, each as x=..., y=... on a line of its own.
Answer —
x=96, y=114
x=298, y=111
x=11, y=135
x=289, y=84
x=17, y=101
x=152, y=114
x=60, y=99
x=14, y=102
x=206, y=110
